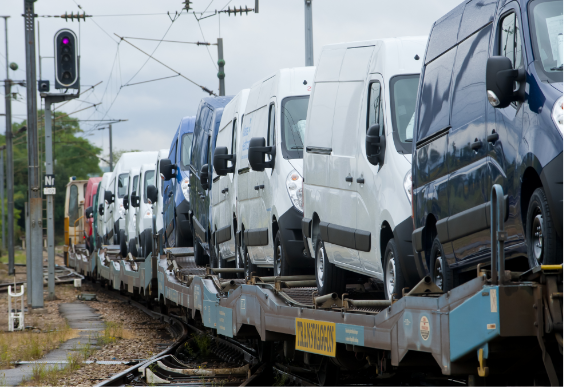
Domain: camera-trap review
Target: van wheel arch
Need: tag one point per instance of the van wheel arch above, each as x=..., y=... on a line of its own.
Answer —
x=529, y=183
x=386, y=234
x=315, y=233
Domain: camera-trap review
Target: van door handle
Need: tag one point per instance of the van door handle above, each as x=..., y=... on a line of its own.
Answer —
x=170, y=194
x=261, y=186
x=349, y=179
x=493, y=137
x=256, y=187
x=476, y=145
x=360, y=180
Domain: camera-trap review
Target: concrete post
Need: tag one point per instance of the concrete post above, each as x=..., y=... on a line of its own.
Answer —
x=35, y=202
x=221, y=64
x=28, y=254
x=308, y=33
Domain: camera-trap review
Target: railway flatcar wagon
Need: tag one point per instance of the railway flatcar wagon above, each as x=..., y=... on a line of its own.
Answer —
x=74, y=215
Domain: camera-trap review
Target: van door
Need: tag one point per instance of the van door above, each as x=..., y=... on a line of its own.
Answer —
x=467, y=149
x=168, y=202
x=368, y=185
x=228, y=193
x=266, y=180
x=505, y=127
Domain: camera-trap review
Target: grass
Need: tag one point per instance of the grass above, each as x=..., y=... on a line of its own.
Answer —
x=46, y=375
x=31, y=345
x=202, y=343
x=112, y=332
x=19, y=256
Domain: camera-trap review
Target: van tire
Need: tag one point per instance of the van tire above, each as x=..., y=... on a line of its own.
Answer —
x=147, y=243
x=179, y=239
x=281, y=264
x=214, y=257
x=250, y=267
x=440, y=272
x=330, y=278
x=122, y=244
x=543, y=246
x=392, y=271
x=133, y=248
x=199, y=255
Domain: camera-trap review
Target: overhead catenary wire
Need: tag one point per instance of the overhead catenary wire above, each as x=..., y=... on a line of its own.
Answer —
x=152, y=80
x=207, y=48
x=168, y=67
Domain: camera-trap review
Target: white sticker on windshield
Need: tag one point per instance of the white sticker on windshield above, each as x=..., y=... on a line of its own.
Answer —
x=554, y=26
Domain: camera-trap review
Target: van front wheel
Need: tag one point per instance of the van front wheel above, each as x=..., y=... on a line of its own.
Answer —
x=281, y=264
x=122, y=243
x=330, y=278
x=543, y=246
x=199, y=256
x=393, y=276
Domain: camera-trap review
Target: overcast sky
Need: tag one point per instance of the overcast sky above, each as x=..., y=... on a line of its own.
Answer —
x=254, y=47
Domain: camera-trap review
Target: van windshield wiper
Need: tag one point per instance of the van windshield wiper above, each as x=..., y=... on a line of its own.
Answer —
x=559, y=68
x=297, y=147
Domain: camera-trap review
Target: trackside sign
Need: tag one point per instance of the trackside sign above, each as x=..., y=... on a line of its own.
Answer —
x=316, y=337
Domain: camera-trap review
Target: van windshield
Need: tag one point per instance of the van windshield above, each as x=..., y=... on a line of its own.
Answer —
x=186, y=152
x=293, y=118
x=546, y=35
x=149, y=180
x=123, y=182
x=403, y=94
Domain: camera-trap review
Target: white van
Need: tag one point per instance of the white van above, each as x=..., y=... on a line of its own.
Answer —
x=224, y=188
x=127, y=235
x=100, y=220
x=144, y=223
x=115, y=212
x=269, y=169
x=357, y=163
x=157, y=204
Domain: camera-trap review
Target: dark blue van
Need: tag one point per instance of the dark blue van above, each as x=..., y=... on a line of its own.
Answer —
x=176, y=201
x=489, y=111
x=208, y=119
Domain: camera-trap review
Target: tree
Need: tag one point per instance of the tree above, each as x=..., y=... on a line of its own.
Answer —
x=72, y=156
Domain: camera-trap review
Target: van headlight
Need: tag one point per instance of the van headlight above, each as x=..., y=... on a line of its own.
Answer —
x=407, y=185
x=185, y=185
x=557, y=113
x=148, y=213
x=295, y=190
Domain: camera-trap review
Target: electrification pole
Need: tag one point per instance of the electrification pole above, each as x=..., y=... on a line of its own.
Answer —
x=10, y=158
x=111, y=150
x=34, y=184
x=221, y=64
x=2, y=148
x=308, y=34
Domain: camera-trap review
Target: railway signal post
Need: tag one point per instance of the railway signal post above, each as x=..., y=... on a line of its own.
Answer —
x=67, y=77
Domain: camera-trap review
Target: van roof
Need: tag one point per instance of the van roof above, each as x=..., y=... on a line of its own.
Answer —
x=289, y=82
x=217, y=102
x=390, y=56
x=186, y=125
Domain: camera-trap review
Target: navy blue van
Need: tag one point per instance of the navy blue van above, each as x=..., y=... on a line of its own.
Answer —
x=176, y=201
x=203, y=147
x=206, y=127
x=489, y=111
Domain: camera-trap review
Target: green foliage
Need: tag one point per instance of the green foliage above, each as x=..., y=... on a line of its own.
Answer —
x=72, y=155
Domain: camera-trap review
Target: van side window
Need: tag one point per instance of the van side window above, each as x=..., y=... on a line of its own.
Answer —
x=271, y=125
x=510, y=40
x=375, y=107
x=234, y=137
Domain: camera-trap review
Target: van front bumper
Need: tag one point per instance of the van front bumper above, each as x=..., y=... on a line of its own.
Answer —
x=290, y=227
x=183, y=219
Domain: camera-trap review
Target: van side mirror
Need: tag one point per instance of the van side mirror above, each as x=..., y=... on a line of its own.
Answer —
x=257, y=151
x=89, y=212
x=167, y=169
x=126, y=202
x=204, y=177
x=134, y=199
x=152, y=194
x=375, y=145
x=109, y=197
x=500, y=80
x=220, y=158
x=101, y=209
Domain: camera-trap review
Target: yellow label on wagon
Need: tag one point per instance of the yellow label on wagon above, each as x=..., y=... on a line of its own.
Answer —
x=316, y=336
